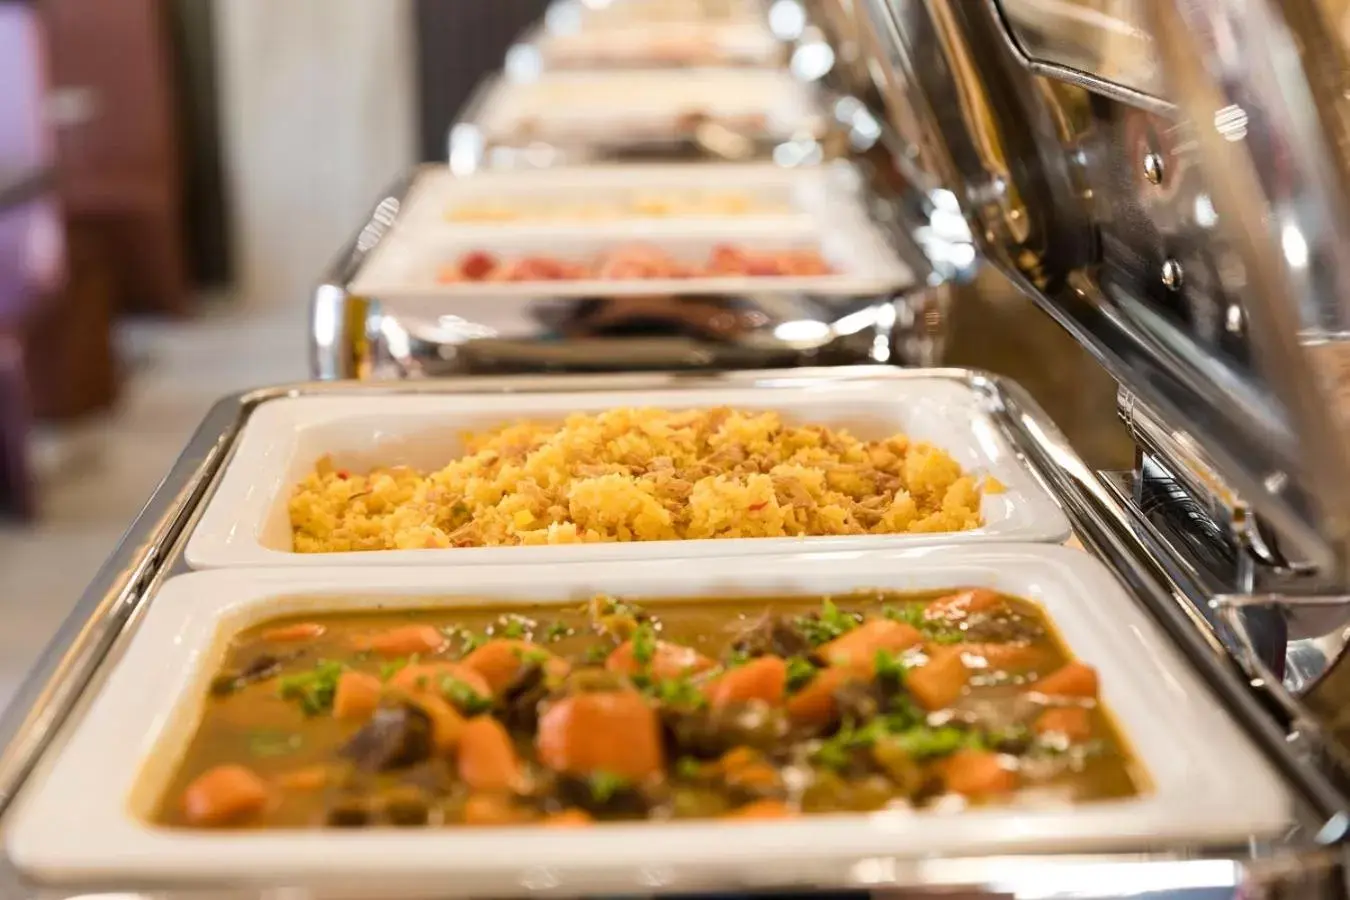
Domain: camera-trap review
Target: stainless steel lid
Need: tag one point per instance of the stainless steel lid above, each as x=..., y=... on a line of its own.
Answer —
x=1170, y=181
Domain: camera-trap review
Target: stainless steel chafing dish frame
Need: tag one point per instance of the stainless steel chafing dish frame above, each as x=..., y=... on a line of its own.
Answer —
x=355, y=336
x=468, y=149
x=1309, y=863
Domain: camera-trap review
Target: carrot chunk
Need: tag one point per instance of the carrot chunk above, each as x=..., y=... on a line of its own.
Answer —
x=487, y=761
x=763, y=679
x=432, y=676
x=614, y=732
x=668, y=660
x=1073, y=722
x=1074, y=679
x=405, y=640
x=858, y=648
x=447, y=724
x=569, y=818
x=224, y=795
x=814, y=705
x=300, y=631
x=356, y=696
x=956, y=607
x=938, y=683
x=978, y=773
x=761, y=810
x=499, y=661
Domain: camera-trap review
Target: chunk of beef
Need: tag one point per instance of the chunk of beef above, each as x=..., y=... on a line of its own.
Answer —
x=261, y=668
x=396, y=736
x=1001, y=626
x=772, y=635
x=860, y=701
x=708, y=733
x=518, y=705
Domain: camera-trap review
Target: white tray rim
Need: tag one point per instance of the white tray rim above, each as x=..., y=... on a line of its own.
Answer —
x=837, y=183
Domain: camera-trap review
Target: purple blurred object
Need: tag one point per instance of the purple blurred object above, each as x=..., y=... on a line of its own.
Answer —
x=32, y=250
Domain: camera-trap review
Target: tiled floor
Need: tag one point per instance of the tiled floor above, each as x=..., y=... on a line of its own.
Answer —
x=109, y=468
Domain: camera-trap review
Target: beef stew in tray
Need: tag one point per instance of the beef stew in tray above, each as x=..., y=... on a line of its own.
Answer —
x=736, y=709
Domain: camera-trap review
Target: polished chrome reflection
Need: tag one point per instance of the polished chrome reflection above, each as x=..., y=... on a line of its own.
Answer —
x=1170, y=181
x=1107, y=40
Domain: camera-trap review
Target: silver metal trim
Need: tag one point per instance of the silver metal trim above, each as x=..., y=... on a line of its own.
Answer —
x=363, y=337
x=1237, y=67
x=1015, y=15
x=1047, y=171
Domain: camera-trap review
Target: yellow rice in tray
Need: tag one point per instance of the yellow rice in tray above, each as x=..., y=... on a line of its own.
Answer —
x=641, y=475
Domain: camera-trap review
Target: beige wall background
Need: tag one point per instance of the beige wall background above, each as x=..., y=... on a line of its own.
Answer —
x=317, y=117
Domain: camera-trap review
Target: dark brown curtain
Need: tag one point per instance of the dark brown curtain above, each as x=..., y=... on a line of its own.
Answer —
x=458, y=42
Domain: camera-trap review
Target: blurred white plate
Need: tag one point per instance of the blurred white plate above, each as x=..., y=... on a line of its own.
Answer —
x=578, y=106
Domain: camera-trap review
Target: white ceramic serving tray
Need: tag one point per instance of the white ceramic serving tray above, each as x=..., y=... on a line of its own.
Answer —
x=820, y=208
x=568, y=16
x=582, y=106
x=85, y=817
x=675, y=43
x=406, y=266
x=246, y=522
x=631, y=34
x=589, y=197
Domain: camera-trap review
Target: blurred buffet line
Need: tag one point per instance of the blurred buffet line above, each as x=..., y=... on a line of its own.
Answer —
x=782, y=447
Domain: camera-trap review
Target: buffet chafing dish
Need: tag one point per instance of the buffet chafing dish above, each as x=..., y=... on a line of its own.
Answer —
x=58, y=695
x=358, y=333
x=365, y=326
x=534, y=119
x=1080, y=141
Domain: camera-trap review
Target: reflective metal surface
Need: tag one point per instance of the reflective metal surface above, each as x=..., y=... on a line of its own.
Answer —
x=1106, y=41
x=354, y=336
x=1170, y=181
x=1308, y=864
x=1103, y=213
x=842, y=31
x=1267, y=82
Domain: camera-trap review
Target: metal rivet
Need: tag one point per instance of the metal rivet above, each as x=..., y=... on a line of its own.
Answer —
x=1153, y=167
x=1172, y=274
